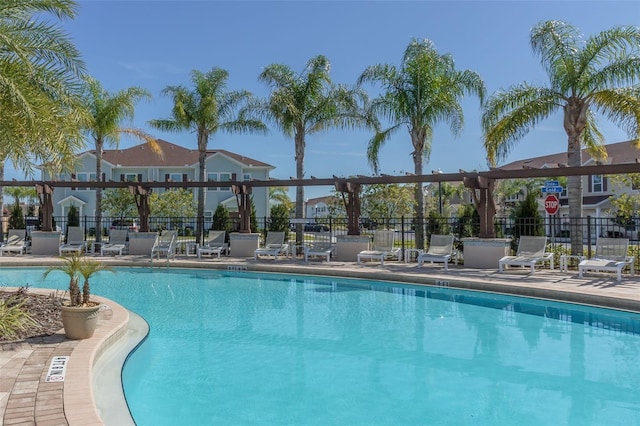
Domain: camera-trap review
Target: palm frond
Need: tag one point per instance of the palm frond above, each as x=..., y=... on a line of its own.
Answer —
x=509, y=115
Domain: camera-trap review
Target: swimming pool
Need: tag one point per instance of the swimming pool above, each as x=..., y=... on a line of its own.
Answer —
x=243, y=348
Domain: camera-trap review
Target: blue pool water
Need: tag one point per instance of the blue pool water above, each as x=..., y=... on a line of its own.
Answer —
x=243, y=348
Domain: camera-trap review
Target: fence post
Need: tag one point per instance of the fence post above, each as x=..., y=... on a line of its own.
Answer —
x=589, y=236
x=402, y=230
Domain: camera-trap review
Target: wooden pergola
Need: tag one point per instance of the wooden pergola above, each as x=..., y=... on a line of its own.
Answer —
x=481, y=185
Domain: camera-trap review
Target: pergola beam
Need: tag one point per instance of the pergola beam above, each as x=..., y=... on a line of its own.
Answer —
x=606, y=169
x=476, y=181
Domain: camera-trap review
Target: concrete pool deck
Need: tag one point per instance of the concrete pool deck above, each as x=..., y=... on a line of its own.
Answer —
x=27, y=399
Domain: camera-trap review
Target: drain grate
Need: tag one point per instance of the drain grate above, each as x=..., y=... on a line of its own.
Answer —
x=57, y=369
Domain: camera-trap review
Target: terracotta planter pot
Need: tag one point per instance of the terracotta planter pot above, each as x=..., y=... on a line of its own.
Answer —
x=79, y=321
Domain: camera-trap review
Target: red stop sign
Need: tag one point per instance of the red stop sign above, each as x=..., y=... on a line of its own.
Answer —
x=551, y=204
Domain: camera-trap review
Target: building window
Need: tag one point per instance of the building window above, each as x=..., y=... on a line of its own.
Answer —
x=175, y=177
x=225, y=177
x=130, y=177
x=219, y=177
x=208, y=219
x=596, y=183
x=246, y=177
x=212, y=177
x=85, y=177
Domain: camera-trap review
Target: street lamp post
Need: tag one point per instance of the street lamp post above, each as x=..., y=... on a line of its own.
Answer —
x=439, y=172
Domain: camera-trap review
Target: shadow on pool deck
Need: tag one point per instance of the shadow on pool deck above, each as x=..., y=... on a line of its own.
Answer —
x=27, y=399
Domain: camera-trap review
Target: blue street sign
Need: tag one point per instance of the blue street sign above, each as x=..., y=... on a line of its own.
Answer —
x=552, y=189
x=552, y=183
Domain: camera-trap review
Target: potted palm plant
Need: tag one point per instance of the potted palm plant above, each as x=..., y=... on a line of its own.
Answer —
x=79, y=313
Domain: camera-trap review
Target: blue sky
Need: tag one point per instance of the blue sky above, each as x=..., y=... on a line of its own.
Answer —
x=153, y=44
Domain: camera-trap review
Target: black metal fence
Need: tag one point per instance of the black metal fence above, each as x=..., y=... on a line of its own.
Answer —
x=558, y=230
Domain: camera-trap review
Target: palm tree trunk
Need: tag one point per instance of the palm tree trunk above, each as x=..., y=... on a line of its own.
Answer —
x=419, y=201
x=575, y=119
x=203, y=141
x=98, y=212
x=299, y=147
x=418, y=138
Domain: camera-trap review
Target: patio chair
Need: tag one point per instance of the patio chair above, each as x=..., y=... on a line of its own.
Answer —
x=531, y=250
x=117, y=243
x=75, y=241
x=165, y=244
x=321, y=246
x=16, y=242
x=382, y=247
x=611, y=256
x=440, y=250
x=274, y=246
x=215, y=244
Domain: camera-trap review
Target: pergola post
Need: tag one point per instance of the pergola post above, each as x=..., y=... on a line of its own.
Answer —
x=45, y=194
x=483, y=200
x=351, y=205
x=141, y=195
x=242, y=193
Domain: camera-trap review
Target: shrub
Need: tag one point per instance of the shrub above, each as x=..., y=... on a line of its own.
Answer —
x=73, y=216
x=13, y=318
x=527, y=219
x=221, y=220
x=279, y=220
x=16, y=220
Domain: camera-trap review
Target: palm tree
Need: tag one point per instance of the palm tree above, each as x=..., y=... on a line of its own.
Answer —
x=596, y=75
x=108, y=110
x=308, y=103
x=207, y=109
x=425, y=90
x=40, y=86
x=279, y=195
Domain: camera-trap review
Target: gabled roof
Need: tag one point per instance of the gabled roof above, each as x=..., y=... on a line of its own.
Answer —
x=318, y=200
x=617, y=153
x=73, y=200
x=172, y=156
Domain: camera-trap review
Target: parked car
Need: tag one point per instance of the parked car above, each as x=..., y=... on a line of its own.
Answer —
x=315, y=227
x=621, y=229
x=367, y=223
x=127, y=224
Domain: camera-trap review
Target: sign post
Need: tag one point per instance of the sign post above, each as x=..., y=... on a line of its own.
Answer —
x=551, y=203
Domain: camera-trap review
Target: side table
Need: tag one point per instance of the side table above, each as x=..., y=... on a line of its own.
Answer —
x=564, y=261
x=191, y=248
x=409, y=252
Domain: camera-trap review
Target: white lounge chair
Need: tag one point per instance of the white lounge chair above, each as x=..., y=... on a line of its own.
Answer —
x=16, y=242
x=440, y=250
x=611, y=256
x=274, y=246
x=75, y=241
x=531, y=250
x=321, y=246
x=382, y=247
x=165, y=244
x=117, y=243
x=215, y=244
